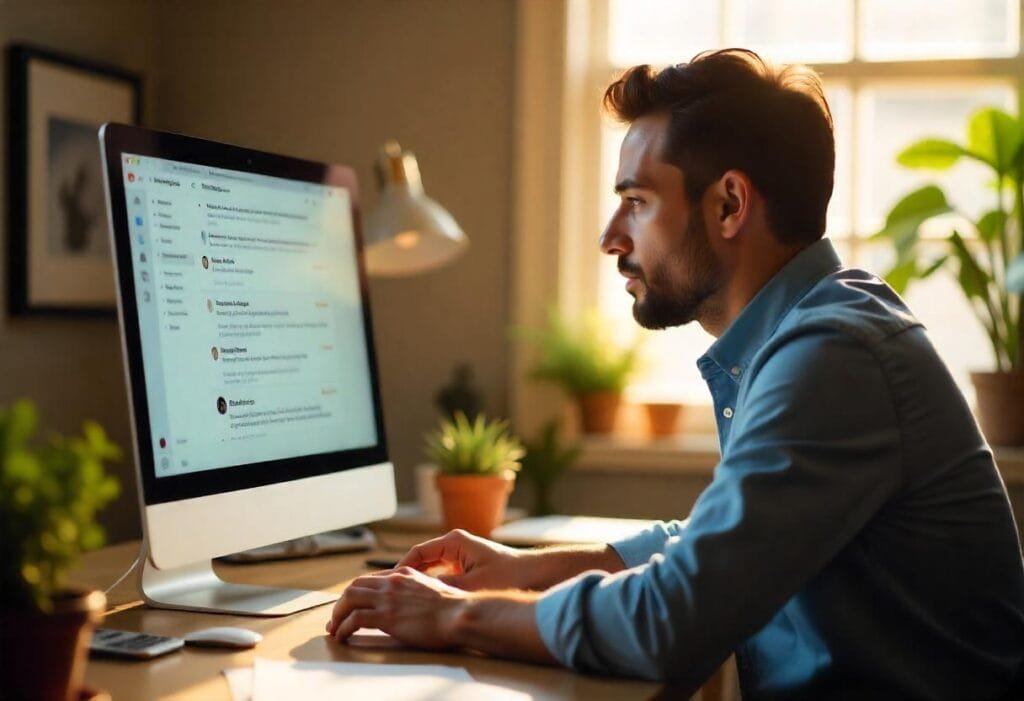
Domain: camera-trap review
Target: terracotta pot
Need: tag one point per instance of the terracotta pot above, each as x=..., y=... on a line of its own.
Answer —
x=598, y=410
x=1000, y=398
x=43, y=655
x=663, y=418
x=475, y=503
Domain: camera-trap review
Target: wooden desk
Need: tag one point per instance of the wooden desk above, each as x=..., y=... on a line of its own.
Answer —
x=196, y=673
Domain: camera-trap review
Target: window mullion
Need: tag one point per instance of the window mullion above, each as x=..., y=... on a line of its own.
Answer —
x=854, y=86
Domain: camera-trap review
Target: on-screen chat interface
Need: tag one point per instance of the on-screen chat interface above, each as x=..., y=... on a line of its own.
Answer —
x=249, y=313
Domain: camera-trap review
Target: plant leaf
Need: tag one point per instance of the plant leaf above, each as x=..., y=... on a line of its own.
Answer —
x=901, y=274
x=906, y=271
x=933, y=154
x=995, y=137
x=21, y=420
x=905, y=218
x=973, y=279
x=933, y=268
x=1015, y=275
x=460, y=446
x=991, y=225
x=581, y=357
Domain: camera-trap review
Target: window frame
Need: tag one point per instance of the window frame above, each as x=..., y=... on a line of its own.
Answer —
x=562, y=72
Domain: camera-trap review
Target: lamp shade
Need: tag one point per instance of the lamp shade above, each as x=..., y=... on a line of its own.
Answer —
x=406, y=232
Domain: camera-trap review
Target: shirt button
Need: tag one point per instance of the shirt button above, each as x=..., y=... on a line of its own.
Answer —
x=735, y=372
x=727, y=412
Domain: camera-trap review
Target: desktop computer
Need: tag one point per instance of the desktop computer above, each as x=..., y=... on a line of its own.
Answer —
x=248, y=349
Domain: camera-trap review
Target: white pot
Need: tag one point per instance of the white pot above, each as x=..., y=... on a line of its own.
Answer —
x=427, y=495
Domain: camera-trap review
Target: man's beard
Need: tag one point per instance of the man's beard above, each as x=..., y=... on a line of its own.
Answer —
x=661, y=306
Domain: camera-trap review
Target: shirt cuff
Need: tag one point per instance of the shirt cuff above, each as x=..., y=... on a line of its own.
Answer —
x=638, y=549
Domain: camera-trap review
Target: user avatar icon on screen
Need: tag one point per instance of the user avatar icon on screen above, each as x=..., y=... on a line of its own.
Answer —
x=222, y=405
x=206, y=263
x=216, y=354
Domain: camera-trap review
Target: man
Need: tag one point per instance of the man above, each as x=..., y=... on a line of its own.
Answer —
x=856, y=540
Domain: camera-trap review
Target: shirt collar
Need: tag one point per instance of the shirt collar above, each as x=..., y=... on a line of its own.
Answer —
x=759, y=319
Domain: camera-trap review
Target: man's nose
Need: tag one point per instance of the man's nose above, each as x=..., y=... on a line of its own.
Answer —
x=614, y=241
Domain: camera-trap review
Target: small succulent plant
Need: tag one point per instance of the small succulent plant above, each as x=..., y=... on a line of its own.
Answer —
x=478, y=447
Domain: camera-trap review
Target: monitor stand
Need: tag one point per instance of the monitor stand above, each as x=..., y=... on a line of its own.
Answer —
x=198, y=588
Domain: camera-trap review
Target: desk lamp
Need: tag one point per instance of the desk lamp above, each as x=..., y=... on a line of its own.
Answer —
x=406, y=232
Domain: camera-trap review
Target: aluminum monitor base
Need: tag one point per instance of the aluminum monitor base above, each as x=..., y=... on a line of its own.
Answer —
x=198, y=588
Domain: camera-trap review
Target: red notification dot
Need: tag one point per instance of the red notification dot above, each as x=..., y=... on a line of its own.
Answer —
x=163, y=442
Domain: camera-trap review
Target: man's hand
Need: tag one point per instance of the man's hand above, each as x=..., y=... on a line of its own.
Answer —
x=474, y=564
x=407, y=605
x=469, y=562
x=421, y=611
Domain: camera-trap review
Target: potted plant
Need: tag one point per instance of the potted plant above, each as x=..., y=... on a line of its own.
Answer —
x=50, y=492
x=591, y=368
x=983, y=253
x=477, y=463
x=544, y=462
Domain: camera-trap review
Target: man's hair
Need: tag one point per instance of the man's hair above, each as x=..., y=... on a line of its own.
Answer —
x=729, y=109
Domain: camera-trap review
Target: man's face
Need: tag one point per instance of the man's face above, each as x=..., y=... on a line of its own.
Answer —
x=660, y=240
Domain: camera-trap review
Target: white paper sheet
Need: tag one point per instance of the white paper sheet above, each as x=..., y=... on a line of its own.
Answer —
x=239, y=682
x=240, y=679
x=275, y=679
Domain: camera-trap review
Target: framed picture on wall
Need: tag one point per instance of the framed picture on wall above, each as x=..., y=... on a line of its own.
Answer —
x=59, y=259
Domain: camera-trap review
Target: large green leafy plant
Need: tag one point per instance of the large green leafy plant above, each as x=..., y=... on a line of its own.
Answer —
x=581, y=357
x=984, y=253
x=477, y=447
x=50, y=491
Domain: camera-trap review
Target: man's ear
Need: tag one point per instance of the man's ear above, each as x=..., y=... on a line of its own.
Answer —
x=731, y=201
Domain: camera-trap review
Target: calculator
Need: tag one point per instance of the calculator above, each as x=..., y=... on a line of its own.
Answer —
x=127, y=643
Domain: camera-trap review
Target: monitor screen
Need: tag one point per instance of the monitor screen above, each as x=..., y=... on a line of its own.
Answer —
x=249, y=315
x=247, y=336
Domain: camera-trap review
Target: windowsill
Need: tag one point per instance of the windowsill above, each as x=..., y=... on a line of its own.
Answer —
x=693, y=454
x=697, y=454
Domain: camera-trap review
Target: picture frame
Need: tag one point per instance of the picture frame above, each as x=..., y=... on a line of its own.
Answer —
x=59, y=259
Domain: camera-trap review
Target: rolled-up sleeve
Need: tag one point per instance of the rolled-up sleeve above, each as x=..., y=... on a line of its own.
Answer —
x=814, y=450
x=638, y=549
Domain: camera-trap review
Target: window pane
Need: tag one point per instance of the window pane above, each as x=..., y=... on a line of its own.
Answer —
x=611, y=139
x=893, y=117
x=840, y=207
x=660, y=31
x=920, y=29
x=809, y=31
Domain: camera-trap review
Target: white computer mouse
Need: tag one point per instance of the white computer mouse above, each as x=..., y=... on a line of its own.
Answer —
x=224, y=636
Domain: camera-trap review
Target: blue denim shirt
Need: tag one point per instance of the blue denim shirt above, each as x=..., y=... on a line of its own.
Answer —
x=856, y=538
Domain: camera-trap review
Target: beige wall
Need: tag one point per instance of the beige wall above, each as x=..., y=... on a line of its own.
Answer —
x=331, y=81
x=326, y=80
x=72, y=368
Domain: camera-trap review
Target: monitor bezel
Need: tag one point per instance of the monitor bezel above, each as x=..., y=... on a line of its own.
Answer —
x=117, y=140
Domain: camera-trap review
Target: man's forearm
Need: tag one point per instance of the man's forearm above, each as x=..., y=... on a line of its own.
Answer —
x=502, y=624
x=557, y=564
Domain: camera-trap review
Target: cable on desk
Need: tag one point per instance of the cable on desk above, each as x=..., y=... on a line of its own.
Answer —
x=131, y=568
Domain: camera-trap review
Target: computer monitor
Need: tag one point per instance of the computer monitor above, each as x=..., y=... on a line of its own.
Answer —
x=249, y=356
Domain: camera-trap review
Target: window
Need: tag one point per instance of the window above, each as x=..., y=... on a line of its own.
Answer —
x=894, y=72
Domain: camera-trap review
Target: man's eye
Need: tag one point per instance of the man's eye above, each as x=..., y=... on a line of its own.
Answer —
x=634, y=202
